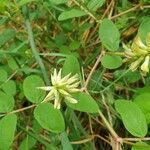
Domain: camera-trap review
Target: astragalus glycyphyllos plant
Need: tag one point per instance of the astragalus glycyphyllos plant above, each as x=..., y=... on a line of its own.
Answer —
x=139, y=54
x=61, y=88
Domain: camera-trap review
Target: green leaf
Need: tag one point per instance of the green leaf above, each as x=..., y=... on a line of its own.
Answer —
x=24, y=144
x=30, y=90
x=9, y=87
x=12, y=63
x=6, y=36
x=3, y=75
x=71, y=65
x=57, y=2
x=144, y=28
x=49, y=118
x=95, y=82
x=132, y=117
x=85, y=103
x=132, y=77
x=65, y=141
x=74, y=45
x=109, y=35
x=71, y=14
x=3, y=5
x=141, y=146
x=24, y=2
x=143, y=101
x=111, y=62
x=6, y=102
x=7, y=131
x=93, y=5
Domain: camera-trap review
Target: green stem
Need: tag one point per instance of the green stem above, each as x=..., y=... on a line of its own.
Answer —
x=115, y=81
x=35, y=52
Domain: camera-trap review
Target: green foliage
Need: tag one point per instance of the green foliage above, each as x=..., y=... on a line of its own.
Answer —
x=143, y=101
x=30, y=141
x=85, y=103
x=95, y=4
x=6, y=102
x=3, y=75
x=23, y=2
x=111, y=62
x=9, y=87
x=7, y=131
x=57, y=2
x=7, y=35
x=71, y=65
x=132, y=117
x=129, y=77
x=3, y=6
x=65, y=141
x=71, y=14
x=30, y=88
x=49, y=118
x=94, y=39
x=109, y=35
x=144, y=28
x=141, y=146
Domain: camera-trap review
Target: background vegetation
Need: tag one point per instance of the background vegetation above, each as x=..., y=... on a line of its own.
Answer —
x=85, y=37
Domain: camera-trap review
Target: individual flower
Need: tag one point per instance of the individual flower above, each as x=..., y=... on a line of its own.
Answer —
x=139, y=54
x=145, y=65
x=138, y=47
x=61, y=88
x=134, y=65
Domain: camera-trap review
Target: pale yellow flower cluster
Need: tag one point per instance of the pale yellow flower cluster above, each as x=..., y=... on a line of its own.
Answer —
x=139, y=54
x=61, y=88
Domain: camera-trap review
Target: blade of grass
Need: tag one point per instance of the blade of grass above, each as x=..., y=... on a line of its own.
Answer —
x=65, y=141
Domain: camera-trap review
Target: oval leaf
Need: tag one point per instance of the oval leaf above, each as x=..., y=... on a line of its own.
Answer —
x=49, y=118
x=132, y=117
x=143, y=101
x=144, y=29
x=6, y=102
x=71, y=65
x=109, y=35
x=7, y=131
x=141, y=146
x=30, y=90
x=9, y=87
x=93, y=5
x=111, y=62
x=85, y=103
x=3, y=75
x=71, y=14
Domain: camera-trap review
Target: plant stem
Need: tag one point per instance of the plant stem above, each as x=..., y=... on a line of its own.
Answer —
x=35, y=52
x=18, y=110
x=86, y=10
x=109, y=127
x=92, y=70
